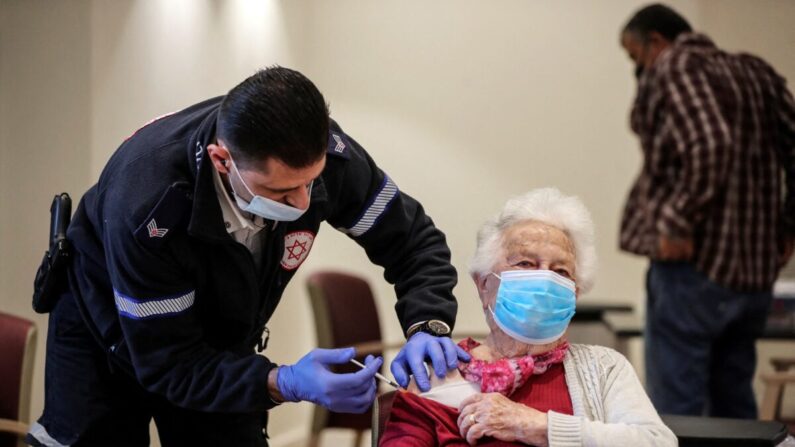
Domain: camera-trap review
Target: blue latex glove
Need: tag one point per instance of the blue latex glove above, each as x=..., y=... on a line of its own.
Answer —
x=310, y=380
x=444, y=355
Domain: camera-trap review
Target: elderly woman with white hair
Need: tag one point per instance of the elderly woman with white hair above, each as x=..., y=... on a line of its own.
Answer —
x=526, y=384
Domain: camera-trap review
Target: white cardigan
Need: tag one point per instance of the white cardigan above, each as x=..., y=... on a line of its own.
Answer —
x=611, y=407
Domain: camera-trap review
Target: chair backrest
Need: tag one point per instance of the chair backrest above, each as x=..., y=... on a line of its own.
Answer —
x=775, y=383
x=17, y=351
x=381, y=409
x=345, y=315
x=344, y=309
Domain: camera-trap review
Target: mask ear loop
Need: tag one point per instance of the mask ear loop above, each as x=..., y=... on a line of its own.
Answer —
x=499, y=278
x=240, y=177
x=309, y=190
x=489, y=306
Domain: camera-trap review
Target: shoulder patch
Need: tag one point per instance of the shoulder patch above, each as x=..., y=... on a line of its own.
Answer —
x=338, y=145
x=171, y=211
x=296, y=248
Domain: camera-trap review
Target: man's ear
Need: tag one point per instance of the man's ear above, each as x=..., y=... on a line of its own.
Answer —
x=657, y=42
x=220, y=158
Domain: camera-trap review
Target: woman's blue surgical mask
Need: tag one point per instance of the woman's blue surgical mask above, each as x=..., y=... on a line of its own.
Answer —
x=534, y=306
x=265, y=207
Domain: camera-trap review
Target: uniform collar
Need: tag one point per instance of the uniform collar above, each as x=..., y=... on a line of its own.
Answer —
x=206, y=219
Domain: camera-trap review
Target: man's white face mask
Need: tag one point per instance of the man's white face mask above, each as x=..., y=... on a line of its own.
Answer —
x=265, y=207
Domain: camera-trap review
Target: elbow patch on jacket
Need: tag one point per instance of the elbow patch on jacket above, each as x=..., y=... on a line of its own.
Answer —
x=378, y=205
x=155, y=307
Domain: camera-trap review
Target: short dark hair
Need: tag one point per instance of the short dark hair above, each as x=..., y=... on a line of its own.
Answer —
x=659, y=18
x=276, y=112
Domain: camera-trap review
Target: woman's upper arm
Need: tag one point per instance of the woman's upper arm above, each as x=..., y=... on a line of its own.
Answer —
x=406, y=426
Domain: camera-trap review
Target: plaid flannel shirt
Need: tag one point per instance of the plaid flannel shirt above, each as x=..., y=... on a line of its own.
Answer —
x=717, y=132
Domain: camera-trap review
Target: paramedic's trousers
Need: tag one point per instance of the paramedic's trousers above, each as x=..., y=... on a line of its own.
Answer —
x=700, y=343
x=90, y=403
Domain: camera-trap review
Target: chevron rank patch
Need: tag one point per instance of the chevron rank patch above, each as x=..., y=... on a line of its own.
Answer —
x=171, y=211
x=338, y=145
x=154, y=231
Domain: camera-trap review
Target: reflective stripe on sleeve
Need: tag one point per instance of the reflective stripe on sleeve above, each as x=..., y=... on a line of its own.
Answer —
x=158, y=307
x=374, y=211
x=38, y=432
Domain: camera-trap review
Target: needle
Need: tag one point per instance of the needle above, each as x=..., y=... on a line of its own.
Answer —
x=377, y=375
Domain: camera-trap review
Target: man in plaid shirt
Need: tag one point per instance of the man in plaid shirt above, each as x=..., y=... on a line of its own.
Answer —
x=710, y=208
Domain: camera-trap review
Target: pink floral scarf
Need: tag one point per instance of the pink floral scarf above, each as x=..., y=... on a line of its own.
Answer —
x=505, y=376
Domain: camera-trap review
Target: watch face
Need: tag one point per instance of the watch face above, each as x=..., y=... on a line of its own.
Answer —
x=439, y=327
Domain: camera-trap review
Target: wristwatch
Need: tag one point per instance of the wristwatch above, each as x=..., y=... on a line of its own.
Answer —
x=437, y=328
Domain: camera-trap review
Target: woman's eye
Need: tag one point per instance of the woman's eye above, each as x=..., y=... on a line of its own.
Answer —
x=563, y=272
x=525, y=264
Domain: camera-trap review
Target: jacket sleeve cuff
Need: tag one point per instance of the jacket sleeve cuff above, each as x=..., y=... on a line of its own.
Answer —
x=563, y=430
x=270, y=401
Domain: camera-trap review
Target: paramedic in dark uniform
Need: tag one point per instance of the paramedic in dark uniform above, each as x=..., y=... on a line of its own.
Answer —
x=182, y=250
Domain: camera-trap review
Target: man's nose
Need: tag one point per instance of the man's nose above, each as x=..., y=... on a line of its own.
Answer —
x=299, y=198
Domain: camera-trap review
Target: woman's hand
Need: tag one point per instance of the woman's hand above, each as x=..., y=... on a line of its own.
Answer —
x=495, y=415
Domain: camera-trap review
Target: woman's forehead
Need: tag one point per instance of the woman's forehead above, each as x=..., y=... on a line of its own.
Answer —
x=536, y=236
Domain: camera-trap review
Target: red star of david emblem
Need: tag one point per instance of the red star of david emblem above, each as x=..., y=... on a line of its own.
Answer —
x=296, y=250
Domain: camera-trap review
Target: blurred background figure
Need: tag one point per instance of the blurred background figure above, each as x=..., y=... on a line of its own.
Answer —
x=717, y=131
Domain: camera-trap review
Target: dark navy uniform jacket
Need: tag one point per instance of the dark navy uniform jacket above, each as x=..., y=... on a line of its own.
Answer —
x=177, y=301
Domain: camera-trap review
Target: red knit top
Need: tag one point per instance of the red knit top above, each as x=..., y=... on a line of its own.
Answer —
x=418, y=422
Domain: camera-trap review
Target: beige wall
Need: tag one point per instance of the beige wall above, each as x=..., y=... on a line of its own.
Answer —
x=463, y=103
x=761, y=27
x=153, y=57
x=45, y=119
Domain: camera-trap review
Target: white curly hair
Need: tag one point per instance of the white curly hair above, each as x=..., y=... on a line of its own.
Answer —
x=548, y=206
